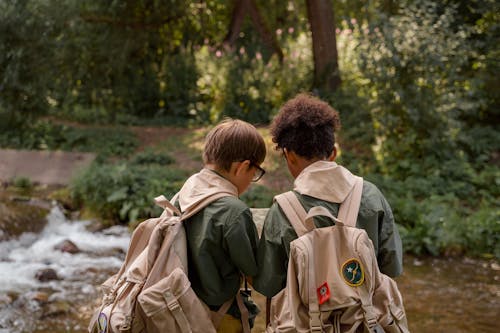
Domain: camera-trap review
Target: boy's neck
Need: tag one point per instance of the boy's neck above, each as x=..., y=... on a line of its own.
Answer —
x=217, y=170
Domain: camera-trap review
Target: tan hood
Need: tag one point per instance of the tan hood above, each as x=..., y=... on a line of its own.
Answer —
x=201, y=187
x=325, y=180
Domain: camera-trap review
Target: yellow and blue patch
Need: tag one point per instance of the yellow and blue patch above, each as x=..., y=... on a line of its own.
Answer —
x=102, y=323
x=353, y=273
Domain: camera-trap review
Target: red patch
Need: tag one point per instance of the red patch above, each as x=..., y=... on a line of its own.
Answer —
x=323, y=293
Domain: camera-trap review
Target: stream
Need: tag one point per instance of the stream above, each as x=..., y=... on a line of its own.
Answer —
x=441, y=294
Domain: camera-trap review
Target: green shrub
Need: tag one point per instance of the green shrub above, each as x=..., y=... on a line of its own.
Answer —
x=258, y=196
x=152, y=157
x=123, y=192
x=23, y=185
x=106, y=142
x=45, y=135
x=482, y=231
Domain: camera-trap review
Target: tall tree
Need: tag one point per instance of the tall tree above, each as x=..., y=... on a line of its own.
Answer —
x=240, y=10
x=322, y=22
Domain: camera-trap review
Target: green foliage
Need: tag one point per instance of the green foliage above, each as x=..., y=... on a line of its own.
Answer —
x=258, y=196
x=23, y=185
x=441, y=225
x=26, y=43
x=125, y=192
x=482, y=231
x=152, y=157
x=106, y=142
x=244, y=84
x=419, y=103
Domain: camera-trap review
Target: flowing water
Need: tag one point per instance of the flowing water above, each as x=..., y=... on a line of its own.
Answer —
x=28, y=305
x=441, y=294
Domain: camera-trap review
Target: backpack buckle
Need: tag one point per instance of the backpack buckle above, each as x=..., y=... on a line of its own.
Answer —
x=315, y=323
x=126, y=323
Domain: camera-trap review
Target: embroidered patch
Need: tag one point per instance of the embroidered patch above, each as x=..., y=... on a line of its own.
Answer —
x=353, y=273
x=102, y=323
x=323, y=293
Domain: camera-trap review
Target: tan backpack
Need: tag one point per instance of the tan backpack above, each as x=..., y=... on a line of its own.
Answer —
x=333, y=281
x=151, y=292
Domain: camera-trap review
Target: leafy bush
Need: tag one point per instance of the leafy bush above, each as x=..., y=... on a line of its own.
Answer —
x=151, y=157
x=482, y=231
x=258, y=196
x=105, y=141
x=43, y=135
x=125, y=192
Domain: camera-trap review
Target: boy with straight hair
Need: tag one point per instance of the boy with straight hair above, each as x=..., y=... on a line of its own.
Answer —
x=222, y=238
x=304, y=129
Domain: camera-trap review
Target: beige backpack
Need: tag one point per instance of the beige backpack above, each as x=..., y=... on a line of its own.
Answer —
x=333, y=281
x=151, y=292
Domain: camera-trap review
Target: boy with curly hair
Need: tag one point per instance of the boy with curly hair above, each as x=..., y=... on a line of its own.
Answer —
x=304, y=129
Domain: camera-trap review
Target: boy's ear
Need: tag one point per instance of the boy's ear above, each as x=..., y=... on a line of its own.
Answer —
x=241, y=167
x=291, y=156
x=333, y=155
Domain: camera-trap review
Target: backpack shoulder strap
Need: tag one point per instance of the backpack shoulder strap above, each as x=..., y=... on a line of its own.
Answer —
x=348, y=211
x=295, y=212
x=164, y=203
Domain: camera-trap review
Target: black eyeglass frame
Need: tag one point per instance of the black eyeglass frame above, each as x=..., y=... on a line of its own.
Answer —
x=261, y=172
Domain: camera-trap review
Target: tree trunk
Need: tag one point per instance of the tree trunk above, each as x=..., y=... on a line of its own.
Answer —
x=322, y=22
x=237, y=18
x=241, y=9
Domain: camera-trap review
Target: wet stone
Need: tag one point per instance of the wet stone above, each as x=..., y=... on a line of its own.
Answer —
x=19, y=217
x=5, y=299
x=46, y=274
x=40, y=297
x=56, y=308
x=67, y=246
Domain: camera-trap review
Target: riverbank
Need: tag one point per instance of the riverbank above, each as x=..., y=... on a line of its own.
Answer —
x=452, y=294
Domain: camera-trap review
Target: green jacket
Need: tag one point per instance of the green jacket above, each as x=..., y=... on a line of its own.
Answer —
x=221, y=238
x=375, y=217
x=222, y=242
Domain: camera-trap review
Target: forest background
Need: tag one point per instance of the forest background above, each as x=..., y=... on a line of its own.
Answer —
x=415, y=83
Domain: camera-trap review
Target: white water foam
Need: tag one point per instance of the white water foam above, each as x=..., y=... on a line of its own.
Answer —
x=21, y=258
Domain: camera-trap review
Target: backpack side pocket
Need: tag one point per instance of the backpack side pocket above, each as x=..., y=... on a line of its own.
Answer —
x=171, y=305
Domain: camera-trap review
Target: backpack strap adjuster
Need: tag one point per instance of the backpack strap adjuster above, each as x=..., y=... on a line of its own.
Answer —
x=172, y=303
x=174, y=306
x=315, y=321
x=370, y=317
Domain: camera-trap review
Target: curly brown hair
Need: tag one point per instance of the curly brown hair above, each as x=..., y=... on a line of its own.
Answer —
x=306, y=125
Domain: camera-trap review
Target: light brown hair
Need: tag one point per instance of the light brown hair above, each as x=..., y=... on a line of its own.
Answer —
x=233, y=140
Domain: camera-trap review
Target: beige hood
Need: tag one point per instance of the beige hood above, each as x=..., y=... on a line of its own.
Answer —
x=325, y=180
x=201, y=187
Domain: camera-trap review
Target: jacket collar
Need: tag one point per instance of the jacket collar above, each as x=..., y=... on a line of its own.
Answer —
x=203, y=185
x=325, y=180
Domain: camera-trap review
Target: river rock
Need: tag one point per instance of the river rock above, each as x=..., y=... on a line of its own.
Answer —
x=56, y=308
x=5, y=299
x=46, y=274
x=17, y=217
x=67, y=246
x=40, y=297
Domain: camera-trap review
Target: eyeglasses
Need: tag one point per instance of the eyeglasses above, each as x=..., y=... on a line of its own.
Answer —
x=259, y=173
